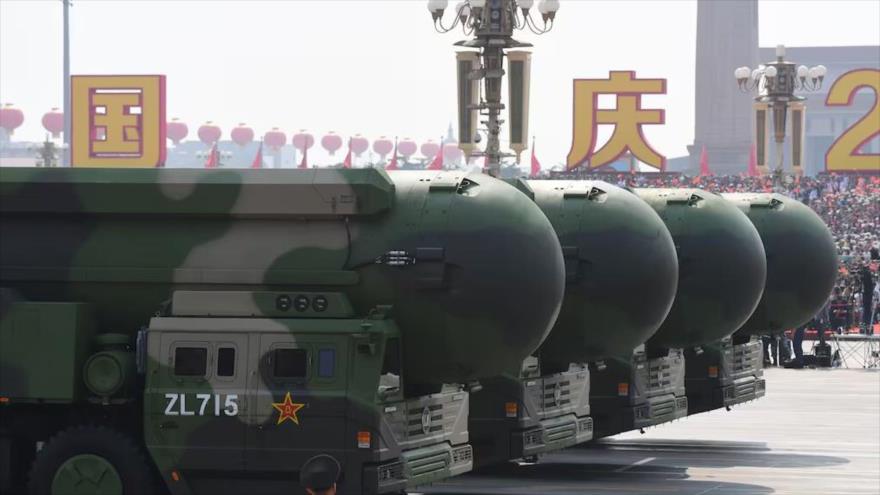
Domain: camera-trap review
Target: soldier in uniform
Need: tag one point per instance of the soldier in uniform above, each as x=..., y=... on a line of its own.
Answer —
x=319, y=475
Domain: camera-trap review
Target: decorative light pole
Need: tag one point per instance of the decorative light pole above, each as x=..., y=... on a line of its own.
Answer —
x=491, y=23
x=775, y=83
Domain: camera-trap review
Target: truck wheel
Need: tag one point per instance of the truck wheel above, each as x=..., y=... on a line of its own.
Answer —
x=90, y=460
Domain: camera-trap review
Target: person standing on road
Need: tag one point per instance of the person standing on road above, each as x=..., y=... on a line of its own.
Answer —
x=867, y=280
x=797, y=347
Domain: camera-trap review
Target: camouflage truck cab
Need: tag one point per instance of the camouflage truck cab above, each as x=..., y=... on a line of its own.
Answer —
x=239, y=390
x=242, y=389
x=525, y=415
x=638, y=391
x=724, y=374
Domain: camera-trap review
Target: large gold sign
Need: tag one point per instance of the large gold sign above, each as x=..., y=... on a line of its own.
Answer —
x=844, y=153
x=627, y=119
x=117, y=121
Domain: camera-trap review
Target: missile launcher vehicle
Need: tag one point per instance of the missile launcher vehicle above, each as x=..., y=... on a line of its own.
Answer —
x=222, y=327
x=621, y=273
x=801, y=268
x=722, y=270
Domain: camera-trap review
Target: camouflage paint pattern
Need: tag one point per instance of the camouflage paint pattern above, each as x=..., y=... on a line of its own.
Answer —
x=721, y=262
x=472, y=268
x=621, y=270
x=801, y=261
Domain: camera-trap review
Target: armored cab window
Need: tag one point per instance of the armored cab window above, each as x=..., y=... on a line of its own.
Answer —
x=190, y=361
x=389, y=381
x=326, y=363
x=391, y=362
x=226, y=361
x=290, y=363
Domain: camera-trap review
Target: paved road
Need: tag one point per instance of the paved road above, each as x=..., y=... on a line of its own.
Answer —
x=816, y=432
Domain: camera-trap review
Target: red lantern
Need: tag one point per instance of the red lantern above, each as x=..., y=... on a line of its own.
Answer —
x=429, y=149
x=407, y=148
x=209, y=133
x=331, y=142
x=275, y=139
x=53, y=121
x=176, y=131
x=242, y=134
x=382, y=146
x=303, y=140
x=359, y=144
x=10, y=118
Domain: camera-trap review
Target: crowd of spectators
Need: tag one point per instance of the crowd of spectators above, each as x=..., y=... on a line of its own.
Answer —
x=849, y=205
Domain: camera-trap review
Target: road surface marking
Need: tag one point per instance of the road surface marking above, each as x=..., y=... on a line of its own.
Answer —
x=637, y=463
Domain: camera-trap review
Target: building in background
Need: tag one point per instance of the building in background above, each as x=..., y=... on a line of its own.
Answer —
x=727, y=38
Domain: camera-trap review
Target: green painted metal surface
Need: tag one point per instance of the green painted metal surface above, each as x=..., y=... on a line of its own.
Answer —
x=721, y=262
x=801, y=261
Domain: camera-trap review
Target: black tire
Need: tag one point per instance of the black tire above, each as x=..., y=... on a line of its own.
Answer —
x=115, y=447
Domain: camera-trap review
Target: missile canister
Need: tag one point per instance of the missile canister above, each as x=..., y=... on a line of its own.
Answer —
x=621, y=270
x=471, y=267
x=801, y=261
x=721, y=263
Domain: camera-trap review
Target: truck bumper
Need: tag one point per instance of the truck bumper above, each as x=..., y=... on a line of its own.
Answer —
x=418, y=467
x=659, y=410
x=552, y=434
x=741, y=390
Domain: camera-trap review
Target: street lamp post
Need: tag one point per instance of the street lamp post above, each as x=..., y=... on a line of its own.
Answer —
x=492, y=23
x=775, y=83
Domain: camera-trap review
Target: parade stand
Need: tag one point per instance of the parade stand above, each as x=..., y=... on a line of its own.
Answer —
x=857, y=351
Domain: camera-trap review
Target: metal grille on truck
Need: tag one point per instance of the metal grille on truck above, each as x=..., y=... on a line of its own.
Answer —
x=585, y=425
x=560, y=432
x=746, y=356
x=429, y=463
x=744, y=389
x=550, y=393
x=393, y=471
x=535, y=437
x=462, y=454
x=438, y=422
x=681, y=403
x=661, y=409
x=659, y=374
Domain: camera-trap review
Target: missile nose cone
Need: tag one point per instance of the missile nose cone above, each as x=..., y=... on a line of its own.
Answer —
x=621, y=270
x=503, y=271
x=722, y=266
x=801, y=261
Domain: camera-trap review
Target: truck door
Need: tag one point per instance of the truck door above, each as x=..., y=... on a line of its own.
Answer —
x=196, y=401
x=299, y=397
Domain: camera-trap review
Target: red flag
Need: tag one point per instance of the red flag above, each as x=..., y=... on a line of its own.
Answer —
x=437, y=164
x=392, y=165
x=536, y=165
x=347, y=162
x=753, y=162
x=704, y=163
x=305, y=161
x=213, y=160
x=258, y=160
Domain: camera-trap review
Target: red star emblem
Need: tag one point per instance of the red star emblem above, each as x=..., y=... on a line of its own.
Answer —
x=287, y=409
